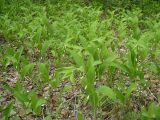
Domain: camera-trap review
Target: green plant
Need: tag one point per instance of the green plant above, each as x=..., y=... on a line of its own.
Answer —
x=96, y=46
x=27, y=69
x=14, y=57
x=30, y=100
x=6, y=111
x=79, y=116
x=151, y=112
x=43, y=72
x=118, y=97
x=120, y=93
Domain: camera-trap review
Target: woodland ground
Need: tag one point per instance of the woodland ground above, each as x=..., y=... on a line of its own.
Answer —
x=83, y=60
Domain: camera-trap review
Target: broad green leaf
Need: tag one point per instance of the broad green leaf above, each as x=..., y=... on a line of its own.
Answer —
x=27, y=69
x=7, y=111
x=19, y=93
x=93, y=99
x=44, y=75
x=22, y=97
x=97, y=63
x=9, y=51
x=45, y=46
x=122, y=67
x=83, y=41
x=16, y=118
x=90, y=69
x=130, y=89
x=77, y=58
x=40, y=102
x=79, y=116
x=33, y=99
x=92, y=29
x=107, y=92
x=37, y=35
x=48, y=117
x=18, y=54
x=110, y=61
x=93, y=50
x=133, y=58
x=18, y=87
x=120, y=96
x=36, y=102
x=38, y=109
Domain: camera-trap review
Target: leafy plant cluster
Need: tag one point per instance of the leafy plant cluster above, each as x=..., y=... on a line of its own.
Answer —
x=102, y=50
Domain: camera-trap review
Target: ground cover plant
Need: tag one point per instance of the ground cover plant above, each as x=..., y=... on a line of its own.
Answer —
x=79, y=60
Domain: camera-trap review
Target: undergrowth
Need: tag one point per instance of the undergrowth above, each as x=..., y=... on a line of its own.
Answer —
x=105, y=54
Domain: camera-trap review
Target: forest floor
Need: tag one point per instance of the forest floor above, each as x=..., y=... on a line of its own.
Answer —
x=79, y=61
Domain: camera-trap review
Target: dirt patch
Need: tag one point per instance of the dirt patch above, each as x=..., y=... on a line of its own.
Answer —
x=2, y=40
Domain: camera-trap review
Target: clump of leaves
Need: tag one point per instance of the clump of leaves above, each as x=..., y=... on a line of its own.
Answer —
x=151, y=112
x=29, y=100
x=6, y=111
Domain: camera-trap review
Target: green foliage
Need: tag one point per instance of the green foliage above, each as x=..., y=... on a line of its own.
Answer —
x=29, y=100
x=107, y=92
x=13, y=57
x=93, y=45
x=48, y=118
x=79, y=116
x=6, y=111
x=27, y=69
x=151, y=113
x=43, y=72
